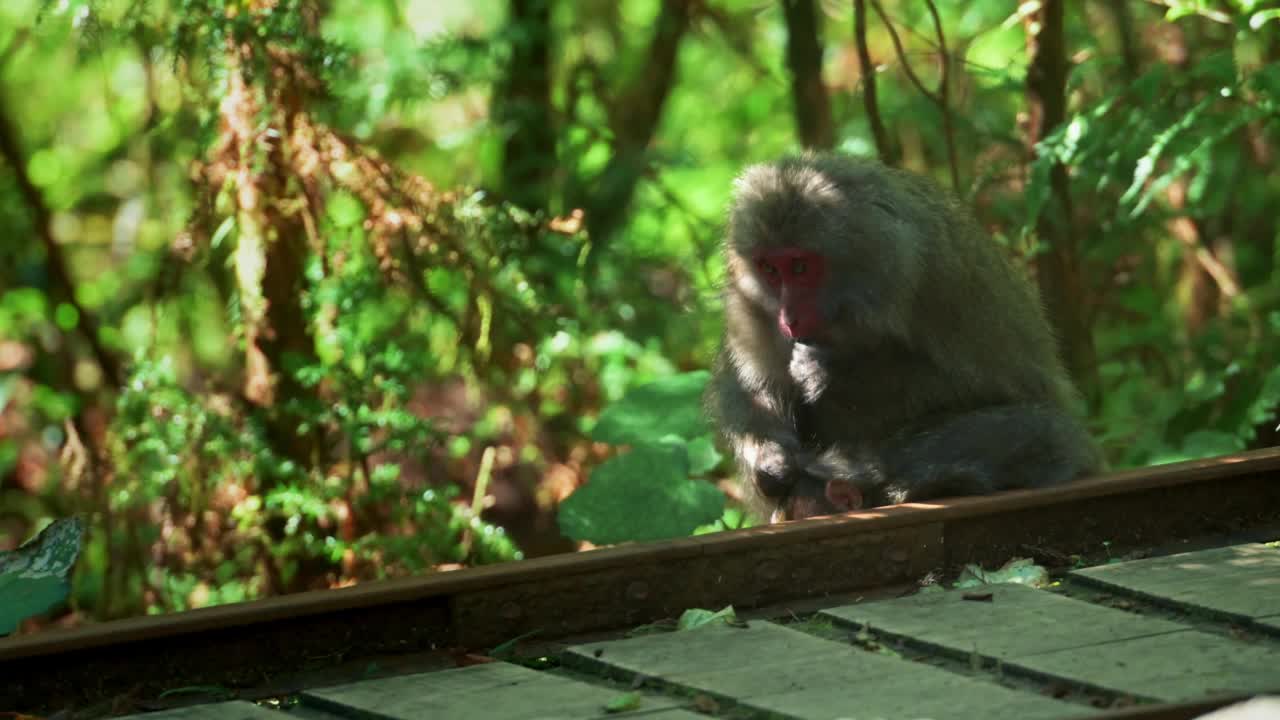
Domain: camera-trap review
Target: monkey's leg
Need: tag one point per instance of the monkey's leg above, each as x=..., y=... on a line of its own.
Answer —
x=998, y=448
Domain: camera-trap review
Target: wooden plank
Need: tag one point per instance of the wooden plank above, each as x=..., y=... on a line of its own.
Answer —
x=1017, y=622
x=490, y=690
x=1049, y=636
x=1240, y=583
x=235, y=710
x=1180, y=666
x=774, y=669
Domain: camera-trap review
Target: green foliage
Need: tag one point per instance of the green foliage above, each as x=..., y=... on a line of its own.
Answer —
x=1177, y=129
x=665, y=423
x=644, y=494
x=670, y=407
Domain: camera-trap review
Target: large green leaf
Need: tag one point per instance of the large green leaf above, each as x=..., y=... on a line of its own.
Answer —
x=649, y=412
x=703, y=455
x=645, y=494
x=36, y=576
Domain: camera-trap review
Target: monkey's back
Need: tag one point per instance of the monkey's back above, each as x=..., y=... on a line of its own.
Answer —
x=977, y=334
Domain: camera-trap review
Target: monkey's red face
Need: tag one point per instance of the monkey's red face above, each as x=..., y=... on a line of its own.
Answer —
x=796, y=276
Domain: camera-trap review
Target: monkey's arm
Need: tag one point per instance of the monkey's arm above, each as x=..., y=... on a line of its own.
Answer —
x=996, y=448
x=756, y=424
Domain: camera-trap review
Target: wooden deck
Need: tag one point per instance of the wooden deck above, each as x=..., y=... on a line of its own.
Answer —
x=1001, y=651
x=1170, y=636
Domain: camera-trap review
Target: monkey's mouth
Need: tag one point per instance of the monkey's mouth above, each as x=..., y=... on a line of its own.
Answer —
x=814, y=347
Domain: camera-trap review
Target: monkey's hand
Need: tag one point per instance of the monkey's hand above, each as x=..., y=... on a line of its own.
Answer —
x=829, y=483
x=774, y=464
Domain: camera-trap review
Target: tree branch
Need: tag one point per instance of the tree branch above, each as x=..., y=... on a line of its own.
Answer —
x=55, y=260
x=902, y=53
x=944, y=96
x=940, y=97
x=870, y=101
x=1058, y=270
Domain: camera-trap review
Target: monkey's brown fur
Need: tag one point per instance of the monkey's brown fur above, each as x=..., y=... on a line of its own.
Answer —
x=938, y=374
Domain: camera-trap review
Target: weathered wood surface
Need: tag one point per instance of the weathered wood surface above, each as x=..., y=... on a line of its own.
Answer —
x=234, y=710
x=1237, y=584
x=998, y=651
x=1040, y=634
x=494, y=690
x=770, y=669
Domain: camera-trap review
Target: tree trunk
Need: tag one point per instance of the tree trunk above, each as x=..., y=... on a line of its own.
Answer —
x=634, y=120
x=1058, y=269
x=1122, y=16
x=522, y=107
x=804, y=60
x=272, y=246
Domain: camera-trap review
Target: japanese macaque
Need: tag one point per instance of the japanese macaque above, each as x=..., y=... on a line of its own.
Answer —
x=880, y=348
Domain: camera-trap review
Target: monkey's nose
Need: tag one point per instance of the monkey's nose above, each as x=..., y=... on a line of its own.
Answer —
x=788, y=328
x=792, y=327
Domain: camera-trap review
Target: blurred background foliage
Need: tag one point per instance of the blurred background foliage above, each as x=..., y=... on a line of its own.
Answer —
x=300, y=293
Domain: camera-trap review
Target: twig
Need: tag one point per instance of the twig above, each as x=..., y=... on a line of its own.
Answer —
x=482, y=482
x=869, y=100
x=939, y=97
x=944, y=95
x=902, y=53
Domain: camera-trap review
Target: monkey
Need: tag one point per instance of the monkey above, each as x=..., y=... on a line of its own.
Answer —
x=880, y=348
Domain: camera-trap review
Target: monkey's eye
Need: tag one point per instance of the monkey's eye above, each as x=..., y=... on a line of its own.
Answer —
x=767, y=268
x=798, y=266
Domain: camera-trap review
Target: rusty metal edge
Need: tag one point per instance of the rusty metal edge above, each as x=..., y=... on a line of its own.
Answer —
x=449, y=584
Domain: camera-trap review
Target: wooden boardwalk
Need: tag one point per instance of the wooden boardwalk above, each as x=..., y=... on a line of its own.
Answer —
x=1185, y=627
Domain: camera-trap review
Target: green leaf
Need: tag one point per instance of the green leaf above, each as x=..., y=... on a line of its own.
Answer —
x=1263, y=407
x=703, y=455
x=1208, y=443
x=345, y=210
x=222, y=232
x=66, y=316
x=36, y=576
x=624, y=702
x=670, y=406
x=1019, y=571
x=697, y=617
x=645, y=494
x=1187, y=160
